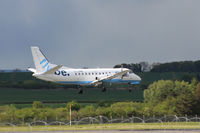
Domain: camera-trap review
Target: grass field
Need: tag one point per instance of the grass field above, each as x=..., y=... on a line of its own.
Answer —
x=120, y=126
x=8, y=95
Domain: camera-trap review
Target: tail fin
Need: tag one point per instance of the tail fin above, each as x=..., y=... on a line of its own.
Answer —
x=41, y=63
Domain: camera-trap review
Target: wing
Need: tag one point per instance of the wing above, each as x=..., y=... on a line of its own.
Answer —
x=110, y=77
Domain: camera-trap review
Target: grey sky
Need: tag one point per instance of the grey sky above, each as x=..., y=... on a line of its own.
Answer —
x=99, y=33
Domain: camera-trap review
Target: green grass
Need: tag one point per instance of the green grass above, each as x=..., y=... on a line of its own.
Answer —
x=9, y=95
x=120, y=126
x=47, y=105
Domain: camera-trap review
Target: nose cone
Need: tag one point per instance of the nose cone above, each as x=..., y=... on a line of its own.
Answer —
x=135, y=77
x=138, y=78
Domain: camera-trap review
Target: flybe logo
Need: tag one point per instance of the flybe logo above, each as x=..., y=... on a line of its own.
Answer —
x=45, y=64
x=63, y=73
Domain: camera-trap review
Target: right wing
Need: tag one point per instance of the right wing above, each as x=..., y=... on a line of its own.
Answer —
x=32, y=70
x=110, y=77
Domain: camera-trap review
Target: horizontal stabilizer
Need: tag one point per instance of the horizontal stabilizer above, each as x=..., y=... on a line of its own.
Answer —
x=53, y=70
x=32, y=70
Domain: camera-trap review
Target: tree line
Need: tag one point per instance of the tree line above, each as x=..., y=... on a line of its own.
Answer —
x=163, y=97
x=134, y=67
x=182, y=66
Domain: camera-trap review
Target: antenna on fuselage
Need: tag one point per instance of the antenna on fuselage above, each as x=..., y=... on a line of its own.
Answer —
x=122, y=67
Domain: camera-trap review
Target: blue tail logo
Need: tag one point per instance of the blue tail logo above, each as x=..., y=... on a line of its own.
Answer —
x=45, y=64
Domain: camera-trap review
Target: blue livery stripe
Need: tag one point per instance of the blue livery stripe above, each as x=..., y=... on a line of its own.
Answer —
x=45, y=65
x=106, y=81
x=135, y=82
x=75, y=82
x=48, y=68
x=44, y=60
x=121, y=81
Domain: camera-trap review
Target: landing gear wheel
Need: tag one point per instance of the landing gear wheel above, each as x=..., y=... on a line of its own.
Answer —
x=104, y=89
x=80, y=91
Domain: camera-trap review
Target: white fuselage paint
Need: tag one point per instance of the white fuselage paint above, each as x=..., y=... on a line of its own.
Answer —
x=86, y=76
x=57, y=73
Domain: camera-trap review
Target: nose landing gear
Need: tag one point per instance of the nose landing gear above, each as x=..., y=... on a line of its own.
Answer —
x=80, y=90
x=133, y=87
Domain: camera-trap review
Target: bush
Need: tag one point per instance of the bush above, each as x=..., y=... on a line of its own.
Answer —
x=38, y=104
x=74, y=105
x=171, y=97
x=87, y=111
x=103, y=103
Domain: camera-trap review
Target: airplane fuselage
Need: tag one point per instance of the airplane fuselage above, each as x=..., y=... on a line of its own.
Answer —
x=58, y=73
x=87, y=76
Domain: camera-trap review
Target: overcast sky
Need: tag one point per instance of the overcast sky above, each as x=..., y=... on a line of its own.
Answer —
x=99, y=33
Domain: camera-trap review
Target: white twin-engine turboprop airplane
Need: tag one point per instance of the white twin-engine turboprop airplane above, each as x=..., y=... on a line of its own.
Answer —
x=58, y=73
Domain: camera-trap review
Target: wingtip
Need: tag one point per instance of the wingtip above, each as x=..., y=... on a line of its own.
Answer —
x=34, y=47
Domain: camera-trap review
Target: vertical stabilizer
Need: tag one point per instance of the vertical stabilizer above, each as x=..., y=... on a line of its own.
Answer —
x=41, y=63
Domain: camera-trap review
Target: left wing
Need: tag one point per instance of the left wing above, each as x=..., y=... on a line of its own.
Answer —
x=109, y=77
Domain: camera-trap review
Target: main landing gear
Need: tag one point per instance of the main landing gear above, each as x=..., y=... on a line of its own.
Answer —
x=103, y=89
x=80, y=90
x=133, y=87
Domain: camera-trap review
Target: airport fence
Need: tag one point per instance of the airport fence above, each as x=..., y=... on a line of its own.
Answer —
x=106, y=120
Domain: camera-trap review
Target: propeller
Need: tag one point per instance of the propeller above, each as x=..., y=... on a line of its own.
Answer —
x=122, y=70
